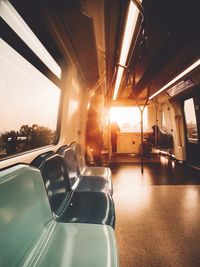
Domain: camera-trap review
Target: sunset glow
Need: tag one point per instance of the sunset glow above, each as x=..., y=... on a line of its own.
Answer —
x=128, y=118
x=28, y=97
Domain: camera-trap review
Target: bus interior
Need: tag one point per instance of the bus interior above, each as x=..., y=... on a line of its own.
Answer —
x=100, y=133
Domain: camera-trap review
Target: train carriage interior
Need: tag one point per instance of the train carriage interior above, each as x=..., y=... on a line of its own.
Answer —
x=99, y=133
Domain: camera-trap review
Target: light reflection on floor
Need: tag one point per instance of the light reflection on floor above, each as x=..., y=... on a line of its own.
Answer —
x=157, y=215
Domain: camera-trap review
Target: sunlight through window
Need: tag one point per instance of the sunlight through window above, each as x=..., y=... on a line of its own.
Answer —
x=128, y=118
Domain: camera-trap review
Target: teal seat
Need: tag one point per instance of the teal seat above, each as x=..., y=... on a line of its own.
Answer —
x=73, y=205
x=80, y=245
x=83, y=178
x=24, y=212
x=31, y=237
x=85, y=170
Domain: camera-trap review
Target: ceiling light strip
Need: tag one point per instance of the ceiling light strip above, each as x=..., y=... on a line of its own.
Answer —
x=15, y=21
x=129, y=31
x=120, y=72
x=182, y=74
x=131, y=21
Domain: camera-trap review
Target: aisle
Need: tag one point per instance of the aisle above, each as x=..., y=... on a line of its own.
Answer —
x=126, y=158
x=157, y=214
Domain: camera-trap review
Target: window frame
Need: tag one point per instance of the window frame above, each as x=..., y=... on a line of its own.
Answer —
x=185, y=122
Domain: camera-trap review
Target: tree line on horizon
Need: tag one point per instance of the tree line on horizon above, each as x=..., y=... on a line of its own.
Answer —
x=26, y=138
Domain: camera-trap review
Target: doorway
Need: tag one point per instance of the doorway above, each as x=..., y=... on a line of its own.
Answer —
x=128, y=119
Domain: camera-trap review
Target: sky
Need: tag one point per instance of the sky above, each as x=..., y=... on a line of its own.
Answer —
x=26, y=95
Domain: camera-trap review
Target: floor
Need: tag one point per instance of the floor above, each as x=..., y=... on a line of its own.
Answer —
x=157, y=214
x=126, y=158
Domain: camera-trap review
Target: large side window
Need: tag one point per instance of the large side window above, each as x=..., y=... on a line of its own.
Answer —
x=29, y=104
x=191, y=121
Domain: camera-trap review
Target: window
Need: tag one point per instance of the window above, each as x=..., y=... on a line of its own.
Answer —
x=29, y=104
x=128, y=118
x=163, y=122
x=191, y=122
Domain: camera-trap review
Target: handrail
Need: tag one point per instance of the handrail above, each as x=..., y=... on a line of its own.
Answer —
x=140, y=8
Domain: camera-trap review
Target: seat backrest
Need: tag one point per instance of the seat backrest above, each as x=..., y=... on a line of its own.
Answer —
x=80, y=157
x=56, y=181
x=39, y=160
x=24, y=211
x=62, y=149
x=71, y=166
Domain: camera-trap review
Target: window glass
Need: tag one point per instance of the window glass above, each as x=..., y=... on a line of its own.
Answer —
x=191, y=122
x=29, y=104
x=128, y=118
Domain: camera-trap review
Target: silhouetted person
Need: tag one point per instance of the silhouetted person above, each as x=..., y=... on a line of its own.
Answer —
x=94, y=137
x=114, y=135
x=11, y=143
x=160, y=138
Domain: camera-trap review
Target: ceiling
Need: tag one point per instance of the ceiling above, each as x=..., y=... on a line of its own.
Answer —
x=172, y=29
x=91, y=32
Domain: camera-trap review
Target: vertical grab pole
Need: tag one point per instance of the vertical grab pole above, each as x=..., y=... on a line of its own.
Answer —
x=142, y=134
x=156, y=130
x=141, y=113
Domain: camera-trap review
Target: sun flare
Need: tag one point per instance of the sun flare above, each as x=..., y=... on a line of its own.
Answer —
x=128, y=118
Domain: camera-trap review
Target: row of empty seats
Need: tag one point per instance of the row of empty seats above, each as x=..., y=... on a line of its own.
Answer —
x=84, y=170
x=82, y=177
x=47, y=220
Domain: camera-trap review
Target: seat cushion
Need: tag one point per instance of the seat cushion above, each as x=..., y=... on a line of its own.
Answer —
x=85, y=245
x=95, y=184
x=89, y=207
x=97, y=171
